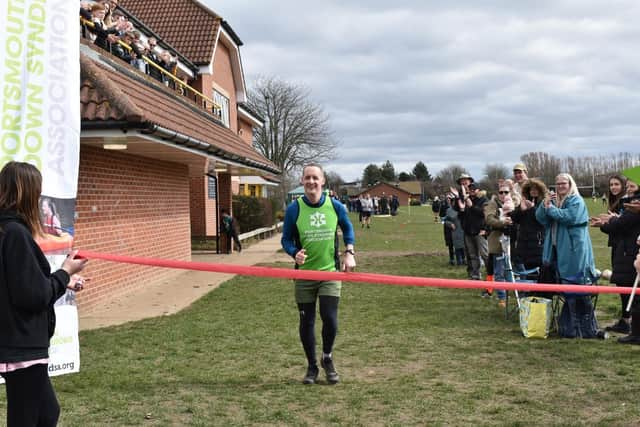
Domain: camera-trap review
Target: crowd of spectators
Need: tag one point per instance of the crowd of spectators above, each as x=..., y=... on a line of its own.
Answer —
x=110, y=29
x=528, y=227
x=382, y=205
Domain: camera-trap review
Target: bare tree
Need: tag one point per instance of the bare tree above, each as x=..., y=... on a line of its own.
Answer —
x=448, y=176
x=334, y=181
x=542, y=165
x=296, y=130
x=493, y=174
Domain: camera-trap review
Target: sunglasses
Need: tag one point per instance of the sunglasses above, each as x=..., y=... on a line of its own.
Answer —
x=503, y=192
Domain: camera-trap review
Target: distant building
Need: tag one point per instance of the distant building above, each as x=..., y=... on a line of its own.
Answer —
x=389, y=190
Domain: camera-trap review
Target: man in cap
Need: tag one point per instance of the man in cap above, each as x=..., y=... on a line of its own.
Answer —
x=520, y=177
x=471, y=208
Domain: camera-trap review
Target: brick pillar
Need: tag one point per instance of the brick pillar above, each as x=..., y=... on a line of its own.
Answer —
x=197, y=197
x=224, y=202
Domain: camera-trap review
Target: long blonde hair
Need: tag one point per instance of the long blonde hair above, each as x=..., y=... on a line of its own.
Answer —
x=573, y=189
x=20, y=187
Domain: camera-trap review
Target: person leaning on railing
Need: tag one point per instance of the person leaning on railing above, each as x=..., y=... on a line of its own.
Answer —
x=169, y=64
x=98, y=27
x=123, y=50
x=153, y=56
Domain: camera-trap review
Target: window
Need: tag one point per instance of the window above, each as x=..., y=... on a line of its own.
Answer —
x=223, y=103
x=212, y=187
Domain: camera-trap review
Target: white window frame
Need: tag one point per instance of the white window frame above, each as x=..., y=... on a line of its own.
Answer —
x=223, y=103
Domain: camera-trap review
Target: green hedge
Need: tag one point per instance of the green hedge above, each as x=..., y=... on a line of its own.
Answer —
x=252, y=212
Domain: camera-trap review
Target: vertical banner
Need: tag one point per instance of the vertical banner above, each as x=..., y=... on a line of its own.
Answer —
x=40, y=124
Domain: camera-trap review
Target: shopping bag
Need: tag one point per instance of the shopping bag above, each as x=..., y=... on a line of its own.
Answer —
x=535, y=317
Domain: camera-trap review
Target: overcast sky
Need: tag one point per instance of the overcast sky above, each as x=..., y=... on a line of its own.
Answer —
x=469, y=82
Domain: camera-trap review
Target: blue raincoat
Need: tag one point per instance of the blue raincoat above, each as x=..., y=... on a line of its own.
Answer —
x=575, y=261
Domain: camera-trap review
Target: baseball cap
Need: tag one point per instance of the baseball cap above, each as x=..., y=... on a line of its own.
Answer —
x=520, y=167
x=464, y=176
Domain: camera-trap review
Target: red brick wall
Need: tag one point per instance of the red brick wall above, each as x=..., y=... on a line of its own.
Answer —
x=129, y=205
x=203, y=209
x=245, y=131
x=223, y=77
x=197, y=196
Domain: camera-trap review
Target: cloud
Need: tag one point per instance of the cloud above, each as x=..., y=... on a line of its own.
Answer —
x=469, y=83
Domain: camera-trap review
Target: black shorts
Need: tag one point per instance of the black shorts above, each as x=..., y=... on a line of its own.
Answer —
x=366, y=214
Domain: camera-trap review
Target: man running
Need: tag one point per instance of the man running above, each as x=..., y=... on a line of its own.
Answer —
x=310, y=236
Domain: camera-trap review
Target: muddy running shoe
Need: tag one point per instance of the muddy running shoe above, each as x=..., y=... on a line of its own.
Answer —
x=620, y=327
x=329, y=370
x=312, y=375
x=486, y=294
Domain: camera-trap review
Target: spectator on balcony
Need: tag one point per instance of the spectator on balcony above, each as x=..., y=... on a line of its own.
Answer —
x=153, y=56
x=99, y=28
x=169, y=64
x=110, y=7
x=125, y=53
x=141, y=48
x=85, y=10
x=122, y=25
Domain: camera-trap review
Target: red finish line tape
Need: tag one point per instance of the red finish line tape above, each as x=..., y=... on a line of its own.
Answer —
x=290, y=273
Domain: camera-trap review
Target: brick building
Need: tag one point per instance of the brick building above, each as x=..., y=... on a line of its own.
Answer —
x=157, y=157
x=388, y=190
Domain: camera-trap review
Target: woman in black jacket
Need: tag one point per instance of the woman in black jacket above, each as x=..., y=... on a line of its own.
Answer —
x=28, y=291
x=528, y=248
x=623, y=228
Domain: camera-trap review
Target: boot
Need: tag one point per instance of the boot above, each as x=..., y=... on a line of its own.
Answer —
x=634, y=337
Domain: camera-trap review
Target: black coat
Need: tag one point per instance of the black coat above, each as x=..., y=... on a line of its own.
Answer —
x=623, y=232
x=472, y=218
x=530, y=238
x=101, y=33
x=28, y=291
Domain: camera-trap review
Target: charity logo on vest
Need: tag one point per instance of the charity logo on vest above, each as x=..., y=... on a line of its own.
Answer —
x=317, y=219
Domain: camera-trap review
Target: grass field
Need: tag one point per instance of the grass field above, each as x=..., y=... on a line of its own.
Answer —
x=407, y=356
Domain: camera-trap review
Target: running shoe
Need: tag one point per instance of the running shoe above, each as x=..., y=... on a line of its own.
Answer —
x=329, y=370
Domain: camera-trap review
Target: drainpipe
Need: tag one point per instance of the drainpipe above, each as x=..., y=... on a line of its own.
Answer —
x=217, y=215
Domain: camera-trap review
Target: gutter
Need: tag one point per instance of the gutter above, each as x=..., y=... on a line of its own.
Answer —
x=178, y=139
x=182, y=139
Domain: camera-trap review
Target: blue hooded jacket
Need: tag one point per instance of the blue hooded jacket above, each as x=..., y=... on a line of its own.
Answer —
x=575, y=261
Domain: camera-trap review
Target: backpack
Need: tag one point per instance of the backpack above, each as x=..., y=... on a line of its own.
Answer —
x=227, y=224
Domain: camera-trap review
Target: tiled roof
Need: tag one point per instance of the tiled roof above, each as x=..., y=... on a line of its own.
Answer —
x=187, y=25
x=114, y=92
x=413, y=187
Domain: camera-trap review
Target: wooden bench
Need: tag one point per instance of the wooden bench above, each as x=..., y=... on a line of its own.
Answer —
x=261, y=233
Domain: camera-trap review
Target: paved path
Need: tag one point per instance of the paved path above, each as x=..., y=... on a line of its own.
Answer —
x=165, y=298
